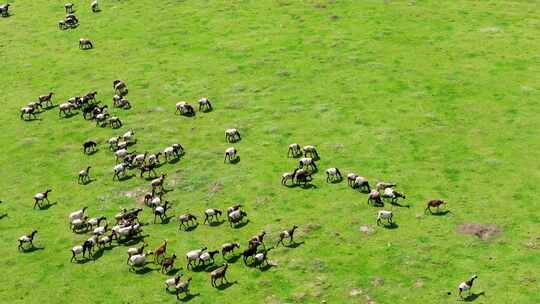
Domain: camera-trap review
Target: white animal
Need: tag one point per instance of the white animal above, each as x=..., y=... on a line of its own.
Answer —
x=119, y=169
x=384, y=215
x=230, y=154
x=194, y=255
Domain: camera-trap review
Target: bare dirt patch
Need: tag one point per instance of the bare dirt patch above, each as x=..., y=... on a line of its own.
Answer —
x=137, y=194
x=367, y=229
x=483, y=231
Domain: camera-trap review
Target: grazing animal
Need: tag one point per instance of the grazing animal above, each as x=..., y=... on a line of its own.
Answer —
x=4, y=10
x=94, y=6
x=121, y=102
x=207, y=257
x=383, y=185
x=105, y=240
x=302, y=176
x=392, y=194
x=150, y=168
x=29, y=112
x=88, y=245
x=101, y=119
x=158, y=182
x=41, y=196
x=219, y=273
x=160, y=250
x=467, y=285
x=308, y=163
x=374, y=197
x=65, y=108
x=96, y=221
x=154, y=158
x=84, y=176
x=333, y=174
x=288, y=176
x=205, y=104
x=100, y=230
x=228, y=248
x=185, y=108
x=250, y=252
x=121, y=154
x=230, y=154
x=27, y=238
x=362, y=184
x=168, y=263
x=89, y=145
x=294, y=150
x=289, y=233
x=178, y=150
x=186, y=220
x=161, y=211
x=113, y=143
x=135, y=251
x=77, y=215
x=351, y=177
x=69, y=7
x=434, y=204
x=120, y=87
x=386, y=215
x=258, y=239
x=211, y=214
x=115, y=122
x=194, y=255
x=140, y=159
x=79, y=224
x=261, y=258
x=183, y=287
x=85, y=44
x=47, y=99
x=311, y=151
x=138, y=260
x=172, y=281
x=129, y=136
x=119, y=169
x=232, y=135
x=233, y=208
x=236, y=217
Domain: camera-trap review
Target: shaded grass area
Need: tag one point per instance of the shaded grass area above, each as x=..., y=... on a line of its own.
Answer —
x=440, y=97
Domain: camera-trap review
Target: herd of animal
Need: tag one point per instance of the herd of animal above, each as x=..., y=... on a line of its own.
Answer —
x=128, y=227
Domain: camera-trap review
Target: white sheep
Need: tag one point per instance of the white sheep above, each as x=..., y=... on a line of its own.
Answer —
x=232, y=135
x=94, y=6
x=333, y=174
x=101, y=230
x=113, y=142
x=168, y=153
x=386, y=215
x=172, y=282
x=361, y=183
x=128, y=136
x=194, y=255
x=351, y=177
x=307, y=162
x=119, y=169
x=77, y=214
x=294, y=150
x=310, y=150
x=138, y=260
x=230, y=154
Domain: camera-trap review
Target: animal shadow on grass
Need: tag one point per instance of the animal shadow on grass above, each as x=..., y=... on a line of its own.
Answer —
x=336, y=181
x=216, y=223
x=307, y=186
x=226, y=285
x=46, y=207
x=242, y=224
x=88, y=182
x=473, y=296
x=84, y=260
x=167, y=219
x=126, y=177
x=174, y=160
x=93, y=152
x=3, y=216
x=266, y=267
x=143, y=270
x=294, y=244
x=391, y=226
x=235, y=161
x=233, y=259
x=173, y=271
x=132, y=241
x=441, y=213
x=188, y=297
x=32, y=249
x=31, y=119
x=191, y=228
x=69, y=115
x=211, y=267
x=399, y=205
x=51, y=107
x=98, y=254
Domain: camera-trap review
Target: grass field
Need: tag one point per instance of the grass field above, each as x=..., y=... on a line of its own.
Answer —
x=438, y=96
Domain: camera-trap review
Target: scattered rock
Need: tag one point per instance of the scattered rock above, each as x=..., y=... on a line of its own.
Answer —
x=490, y=30
x=311, y=227
x=367, y=229
x=418, y=284
x=377, y=281
x=356, y=292
x=156, y=110
x=483, y=231
x=215, y=187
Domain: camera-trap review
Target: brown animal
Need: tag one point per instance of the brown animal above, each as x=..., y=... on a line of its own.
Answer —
x=219, y=273
x=436, y=203
x=160, y=251
x=287, y=234
x=168, y=263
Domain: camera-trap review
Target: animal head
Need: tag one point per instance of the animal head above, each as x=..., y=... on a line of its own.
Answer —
x=237, y=245
x=294, y=227
x=34, y=232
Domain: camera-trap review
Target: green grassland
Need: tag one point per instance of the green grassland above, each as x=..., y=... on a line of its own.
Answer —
x=439, y=96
